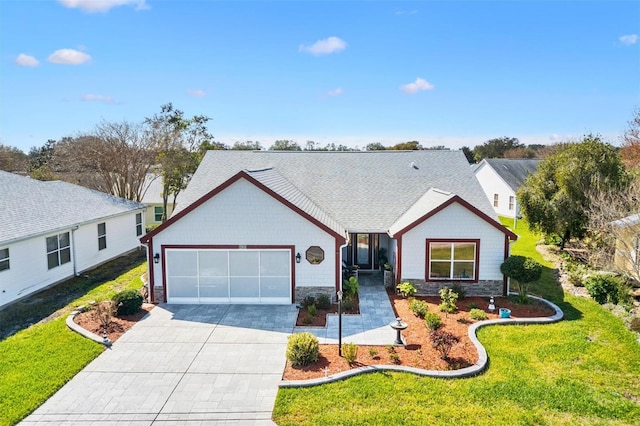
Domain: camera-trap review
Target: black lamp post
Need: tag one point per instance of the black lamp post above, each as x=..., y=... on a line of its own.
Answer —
x=339, y=293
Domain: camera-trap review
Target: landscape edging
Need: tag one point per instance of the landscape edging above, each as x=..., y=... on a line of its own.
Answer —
x=83, y=332
x=470, y=371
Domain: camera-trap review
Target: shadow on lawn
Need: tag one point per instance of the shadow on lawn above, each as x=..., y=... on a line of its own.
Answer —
x=45, y=304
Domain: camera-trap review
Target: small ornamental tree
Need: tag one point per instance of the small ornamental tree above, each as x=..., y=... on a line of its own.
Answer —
x=523, y=270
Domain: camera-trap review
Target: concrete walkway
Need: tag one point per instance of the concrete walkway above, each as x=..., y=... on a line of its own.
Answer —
x=209, y=364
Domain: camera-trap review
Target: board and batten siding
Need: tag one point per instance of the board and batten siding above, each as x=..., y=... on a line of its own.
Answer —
x=244, y=215
x=493, y=184
x=29, y=271
x=453, y=222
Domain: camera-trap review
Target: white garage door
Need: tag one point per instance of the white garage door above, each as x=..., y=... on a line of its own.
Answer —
x=228, y=276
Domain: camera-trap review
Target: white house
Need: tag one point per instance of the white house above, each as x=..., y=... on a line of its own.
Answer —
x=51, y=231
x=152, y=198
x=274, y=226
x=500, y=179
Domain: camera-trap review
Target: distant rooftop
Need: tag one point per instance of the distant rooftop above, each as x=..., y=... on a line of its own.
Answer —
x=513, y=171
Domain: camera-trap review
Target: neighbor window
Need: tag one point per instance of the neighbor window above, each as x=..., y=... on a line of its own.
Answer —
x=452, y=259
x=102, y=236
x=4, y=259
x=512, y=201
x=314, y=255
x=58, y=250
x=157, y=212
x=495, y=200
x=138, y=224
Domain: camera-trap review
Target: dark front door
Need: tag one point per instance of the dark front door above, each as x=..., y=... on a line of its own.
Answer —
x=363, y=249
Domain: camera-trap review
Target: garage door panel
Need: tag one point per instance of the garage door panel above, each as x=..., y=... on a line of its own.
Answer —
x=244, y=287
x=213, y=263
x=274, y=287
x=184, y=287
x=244, y=263
x=217, y=287
x=183, y=264
x=274, y=263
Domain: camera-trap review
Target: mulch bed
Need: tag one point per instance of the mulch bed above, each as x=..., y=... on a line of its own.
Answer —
x=118, y=325
x=418, y=351
x=320, y=318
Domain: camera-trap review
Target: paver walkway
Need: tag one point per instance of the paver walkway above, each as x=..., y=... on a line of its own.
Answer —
x=203, y=364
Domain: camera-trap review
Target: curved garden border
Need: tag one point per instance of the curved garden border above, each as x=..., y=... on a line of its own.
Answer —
x=83, y=332
x=471, y=371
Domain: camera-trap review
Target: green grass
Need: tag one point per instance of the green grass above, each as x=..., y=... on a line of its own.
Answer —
x=37, y=360
x=581, y=371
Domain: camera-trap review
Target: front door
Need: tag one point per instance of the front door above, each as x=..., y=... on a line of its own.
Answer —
x=363, y=250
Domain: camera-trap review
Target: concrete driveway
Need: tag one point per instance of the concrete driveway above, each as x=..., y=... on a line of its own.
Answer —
x=195, y=364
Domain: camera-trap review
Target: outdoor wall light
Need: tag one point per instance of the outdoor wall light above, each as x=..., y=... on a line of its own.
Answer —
x=156, y=258
x=298, y=257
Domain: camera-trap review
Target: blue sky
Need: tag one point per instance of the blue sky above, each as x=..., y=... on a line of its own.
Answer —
x=447, y=73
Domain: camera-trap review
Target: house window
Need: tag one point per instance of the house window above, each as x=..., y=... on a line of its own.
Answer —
x=495, y=200
x=102, y=236
x=58, y=250
x=512, y=200
x=314, y=255
x=4, y=259
x=138, y=224
x=157, y=212
x=452, y=260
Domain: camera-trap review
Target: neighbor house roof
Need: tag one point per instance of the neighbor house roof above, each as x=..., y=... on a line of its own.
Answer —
x=31, y=207
x=362, y=191
x=512, y=171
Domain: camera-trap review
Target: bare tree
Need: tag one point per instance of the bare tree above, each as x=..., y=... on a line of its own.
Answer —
x=614, y=221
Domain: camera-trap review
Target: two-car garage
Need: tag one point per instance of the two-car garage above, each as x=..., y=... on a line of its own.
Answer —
x=220, y=275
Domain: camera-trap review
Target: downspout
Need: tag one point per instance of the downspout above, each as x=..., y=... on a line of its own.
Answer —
x=73, y=250
x=340, y=248
x=149, y=266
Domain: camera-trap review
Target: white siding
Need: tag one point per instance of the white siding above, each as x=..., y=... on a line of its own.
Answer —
x=493, y=184
x=454, y=221
x=243, y=214
x=28, y=259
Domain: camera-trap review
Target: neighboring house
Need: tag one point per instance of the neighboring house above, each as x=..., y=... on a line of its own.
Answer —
x=51, y=231
x=627, y=253
x=152, y=198
x=500, y=179
x=275, y=226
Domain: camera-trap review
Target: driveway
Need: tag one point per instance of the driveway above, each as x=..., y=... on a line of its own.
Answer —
x=195, y=364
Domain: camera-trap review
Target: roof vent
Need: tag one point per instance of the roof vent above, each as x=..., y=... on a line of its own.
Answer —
x=414, y=165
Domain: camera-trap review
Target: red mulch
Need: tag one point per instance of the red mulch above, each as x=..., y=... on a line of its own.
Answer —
x=418, y=351
x=118, y=325
x=320, y=318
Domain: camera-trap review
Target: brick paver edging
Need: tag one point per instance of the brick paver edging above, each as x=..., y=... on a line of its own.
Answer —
x=85, y=333
x=473, y=370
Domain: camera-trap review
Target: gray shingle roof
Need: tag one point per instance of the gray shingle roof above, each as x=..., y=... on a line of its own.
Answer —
x=363, y=191
x=30, y=207
x=513, y=171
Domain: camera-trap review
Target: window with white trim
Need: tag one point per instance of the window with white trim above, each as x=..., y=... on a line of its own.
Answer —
x=138, y=224
x=102, y=236
x=157, y=213
x=512, y=201
x=452, y=260
x=495, y=200
x=58, y=250
x=4, y=259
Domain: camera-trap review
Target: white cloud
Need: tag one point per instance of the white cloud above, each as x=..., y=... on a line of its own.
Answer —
x=69, y=57
x=198, y=93
x=26, y=61
x=628, y=39
x=102, y=5
x=336, y=92
x=324, y=47
x=97, y=98
x=416, y=86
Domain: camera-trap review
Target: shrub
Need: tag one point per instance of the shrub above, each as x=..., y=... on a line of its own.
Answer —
x=472, y=305
x=308, y=301
x=459, y=291
x=394, y=357
x=302, y=349
x=350, y=352
x=373, y=352
x=419, y=307
x=128, y=302
x=312, y=310
x=103, y=313
x=443, y=342
x=606, y=289
x=523, y=270
x=449, y=299
x=634, y=325
x=391, y=349
x=477, y=314
x=350, y=286
x=348, y=303
x=432, y=321
x=576, y=275
x=406, y=289
x=463, y=321
x=308, y=319
x=323, y=302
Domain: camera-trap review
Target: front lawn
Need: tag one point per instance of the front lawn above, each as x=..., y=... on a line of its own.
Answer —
x=37, y=360
x=581, y=371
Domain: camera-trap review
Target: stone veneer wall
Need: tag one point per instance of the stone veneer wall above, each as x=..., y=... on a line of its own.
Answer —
x=481, y=288
x=158, y=295
x=302, y=292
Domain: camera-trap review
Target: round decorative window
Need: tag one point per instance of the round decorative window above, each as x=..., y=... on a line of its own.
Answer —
x=314, y=255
